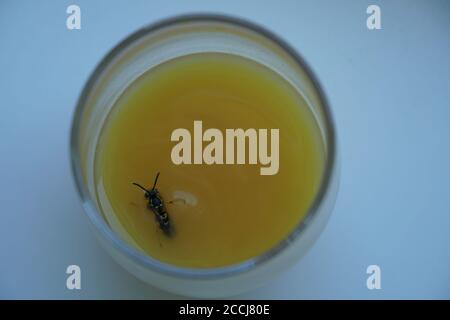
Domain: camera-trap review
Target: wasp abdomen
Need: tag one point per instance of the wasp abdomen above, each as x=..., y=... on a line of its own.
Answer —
x=163, y=219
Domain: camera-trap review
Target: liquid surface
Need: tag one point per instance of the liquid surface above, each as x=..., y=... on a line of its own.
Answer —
x=222, y=214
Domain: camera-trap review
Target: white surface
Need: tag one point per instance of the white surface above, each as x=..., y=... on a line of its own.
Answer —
x=389, y=90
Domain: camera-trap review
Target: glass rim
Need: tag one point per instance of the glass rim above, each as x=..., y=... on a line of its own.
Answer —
x=133, y=253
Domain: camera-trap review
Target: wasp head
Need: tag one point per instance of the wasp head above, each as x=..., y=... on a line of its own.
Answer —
x=151, y=194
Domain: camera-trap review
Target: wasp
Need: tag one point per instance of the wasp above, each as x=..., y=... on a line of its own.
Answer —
x=156, y=204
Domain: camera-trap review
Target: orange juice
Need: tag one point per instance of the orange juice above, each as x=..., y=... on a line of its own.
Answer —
x=221, y=214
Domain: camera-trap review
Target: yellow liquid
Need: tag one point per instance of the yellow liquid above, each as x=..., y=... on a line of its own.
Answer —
x=222, y=214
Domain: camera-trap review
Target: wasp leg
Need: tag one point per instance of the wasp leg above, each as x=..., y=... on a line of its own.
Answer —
x=177, y=200
x=157, y=235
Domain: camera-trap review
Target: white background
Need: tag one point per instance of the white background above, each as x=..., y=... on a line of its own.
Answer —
x=389, y=91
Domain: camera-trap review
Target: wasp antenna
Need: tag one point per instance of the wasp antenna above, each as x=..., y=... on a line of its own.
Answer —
x=138, y=185
x=156, y=180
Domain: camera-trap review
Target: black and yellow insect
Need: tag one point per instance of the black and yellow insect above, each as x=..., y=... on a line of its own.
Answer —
x=156, y=204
